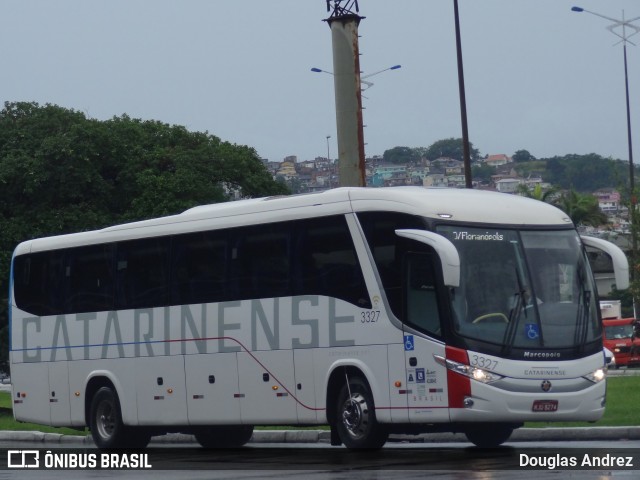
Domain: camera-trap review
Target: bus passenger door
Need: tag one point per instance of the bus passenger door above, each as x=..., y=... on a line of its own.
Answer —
x=426, y=381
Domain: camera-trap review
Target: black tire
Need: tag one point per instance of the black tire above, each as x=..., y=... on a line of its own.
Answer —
x=224, y=436
x=356, y=417
x=489, y=435
x=106, y=425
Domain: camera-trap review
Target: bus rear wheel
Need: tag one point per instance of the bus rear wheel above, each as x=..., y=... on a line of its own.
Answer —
x=356, y=417
x=489, y=435
x=224, y=436
x=106, y=425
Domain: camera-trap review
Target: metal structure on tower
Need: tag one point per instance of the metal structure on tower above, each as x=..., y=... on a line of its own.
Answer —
x=341, y=8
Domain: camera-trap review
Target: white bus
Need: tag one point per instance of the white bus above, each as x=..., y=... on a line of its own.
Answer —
x=374, y=311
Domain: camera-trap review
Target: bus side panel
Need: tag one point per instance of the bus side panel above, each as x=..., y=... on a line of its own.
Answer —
x=212, y=384
x=305, y=385
x=59, y=393
x=30, y=386
x=397, y=373
x=267, y=387
x=427, y=381
x=161, y=391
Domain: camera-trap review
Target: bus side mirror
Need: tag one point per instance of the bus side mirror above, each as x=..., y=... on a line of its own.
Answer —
x=446, y=250
x=618, y=258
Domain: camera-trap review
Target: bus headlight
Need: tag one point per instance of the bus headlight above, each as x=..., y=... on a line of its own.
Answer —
x=597, y=376
x=476, y=373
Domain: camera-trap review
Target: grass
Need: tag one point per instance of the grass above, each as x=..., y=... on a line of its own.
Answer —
x=622, y=410
x=7, y=421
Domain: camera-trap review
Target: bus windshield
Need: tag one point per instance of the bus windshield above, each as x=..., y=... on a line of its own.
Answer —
x=523, y=289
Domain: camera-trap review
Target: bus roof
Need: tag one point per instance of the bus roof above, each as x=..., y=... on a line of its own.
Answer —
x=460, y=205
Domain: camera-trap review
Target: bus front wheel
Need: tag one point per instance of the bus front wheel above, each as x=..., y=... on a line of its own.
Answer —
x=356, y=420
x=106, y=425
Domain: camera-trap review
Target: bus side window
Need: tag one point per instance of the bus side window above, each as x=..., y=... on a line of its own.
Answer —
x=89, y=279
x=380, y=231
x=199, y=268
x=143, y=273
x=327, y=262
x=421, y=304
x=261, y=262
x=38, y=283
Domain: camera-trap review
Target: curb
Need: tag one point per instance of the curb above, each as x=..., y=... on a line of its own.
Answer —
x=547, y=434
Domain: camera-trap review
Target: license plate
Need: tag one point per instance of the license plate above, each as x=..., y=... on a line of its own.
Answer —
x=544, y=406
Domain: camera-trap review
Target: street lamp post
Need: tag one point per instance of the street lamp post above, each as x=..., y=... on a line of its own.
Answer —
x=329, y=163
x=620, y=28
x=328, y=156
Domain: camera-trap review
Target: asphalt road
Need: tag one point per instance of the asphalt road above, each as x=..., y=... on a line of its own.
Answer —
x=284, y=455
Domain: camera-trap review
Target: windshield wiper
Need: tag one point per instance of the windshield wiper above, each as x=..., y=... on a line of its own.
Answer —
x=514, y=316
x=510, y=333
x=584, y=310
x=521, y=301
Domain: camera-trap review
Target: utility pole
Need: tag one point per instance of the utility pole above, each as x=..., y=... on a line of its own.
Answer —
x=344, y=20
x=466, y=150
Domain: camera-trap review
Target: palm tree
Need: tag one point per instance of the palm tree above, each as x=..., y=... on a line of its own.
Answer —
x=537, y=193
x=583, y=209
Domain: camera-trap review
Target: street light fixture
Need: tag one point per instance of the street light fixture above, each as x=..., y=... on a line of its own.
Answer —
x=328, y=156
x=362, y=78
x=620, y=28
x=370, y=84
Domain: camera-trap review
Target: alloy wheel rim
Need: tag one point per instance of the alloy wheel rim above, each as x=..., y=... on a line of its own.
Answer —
x=355, y=415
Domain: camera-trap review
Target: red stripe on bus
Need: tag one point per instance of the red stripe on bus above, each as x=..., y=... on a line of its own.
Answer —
x=458, y=385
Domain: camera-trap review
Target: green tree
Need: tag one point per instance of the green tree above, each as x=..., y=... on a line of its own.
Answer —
x=451, y=148
x=522, y=156
x=61, y=172
x=482, y=172
x=585, y=173
x=402, y=155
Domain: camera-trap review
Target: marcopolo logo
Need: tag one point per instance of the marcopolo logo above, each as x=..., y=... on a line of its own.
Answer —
x=23, y=459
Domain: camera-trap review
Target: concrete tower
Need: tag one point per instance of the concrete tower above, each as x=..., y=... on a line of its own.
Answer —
x=344, y=21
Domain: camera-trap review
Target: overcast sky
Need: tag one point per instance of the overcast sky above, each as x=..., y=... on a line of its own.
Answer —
x=539, y=76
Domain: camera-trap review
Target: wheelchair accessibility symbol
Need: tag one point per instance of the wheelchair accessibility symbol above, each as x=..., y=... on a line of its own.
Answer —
x=408, y=343
x=532, y=330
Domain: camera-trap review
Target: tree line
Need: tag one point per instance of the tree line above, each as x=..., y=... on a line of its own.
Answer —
x=582, y=173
